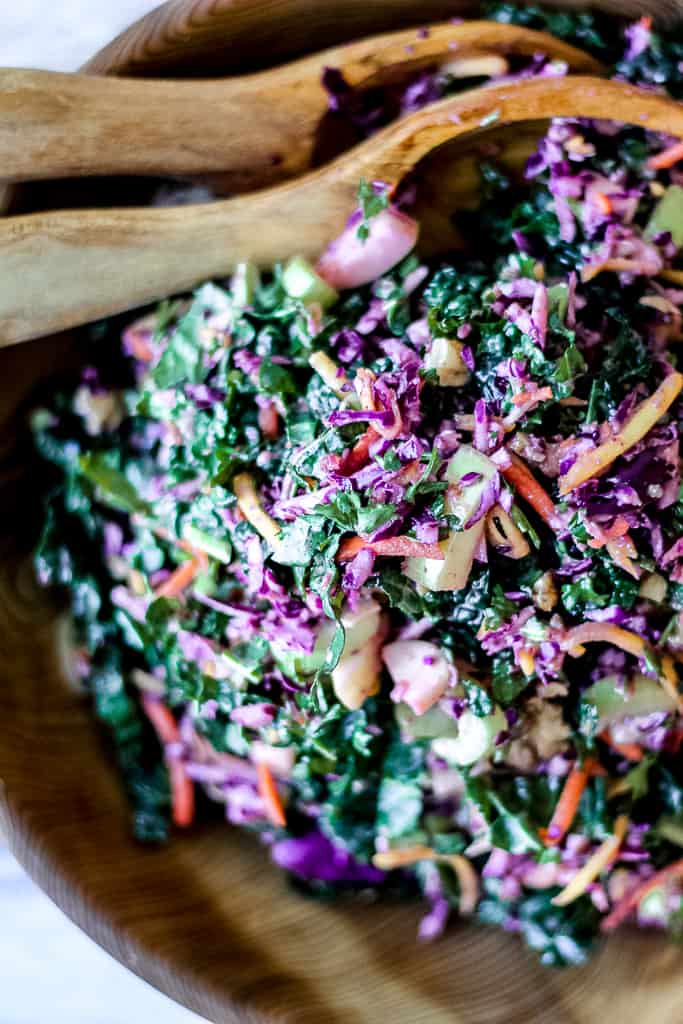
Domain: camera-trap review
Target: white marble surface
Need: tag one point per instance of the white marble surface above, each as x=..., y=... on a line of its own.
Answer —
x=50, y=972
x=62, y=34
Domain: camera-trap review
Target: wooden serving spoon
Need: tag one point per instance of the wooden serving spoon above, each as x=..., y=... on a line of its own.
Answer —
x=68, y=267
x=254, y=129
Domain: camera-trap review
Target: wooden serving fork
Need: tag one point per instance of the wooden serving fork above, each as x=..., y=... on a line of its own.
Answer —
x=253, y=130
x=65, y=268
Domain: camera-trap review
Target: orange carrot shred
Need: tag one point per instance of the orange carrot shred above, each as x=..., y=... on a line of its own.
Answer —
x=406, y=547
x=603, y=203
x=396, y=547
x=350, y=547
x=267, y=789
x=631, y=751
x=182, y=787
x=161, y=717
x=179, y=579
x=604, y=633
x=634, y=897
x=358, y=456
x=182, y=793
x=528, y=487
x=140, y=349
x=667, y=158
x=538, y=395
x=566, y=807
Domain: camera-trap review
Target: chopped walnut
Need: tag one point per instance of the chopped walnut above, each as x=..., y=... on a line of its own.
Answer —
x=100, y=412
x=544, y=734
x=544, y=592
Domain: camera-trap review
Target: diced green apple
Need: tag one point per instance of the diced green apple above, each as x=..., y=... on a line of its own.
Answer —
x=668, y=216
x=452, y=573
x=360, y=625
x=642, y=696
x=463, y=500
x=244, y=283
x=300, y=281
x=428, y=726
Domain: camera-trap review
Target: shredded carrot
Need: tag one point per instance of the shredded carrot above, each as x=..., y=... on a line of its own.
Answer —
x=639, y=892
x=631, y=751
x=601, y=859
x=179, y=579
x=267, y=789
x=566, y=807
x=359, y=455
x=468, y=880
x=667, y=158
x=622, y=551
x=602, y=535
x=140, y=349
x=401, y=857
x=182, y=793
x=534, y=395
x=675, y=276
x=350, y=547
x=645, y=21
x=406, y=547
x=617, y=264
x=161, y=717
x=603, y=203
x=182, y=788
x=398, y=547
x=603, y=633
x=646, y=415
x=528, y=487
x=526, y=660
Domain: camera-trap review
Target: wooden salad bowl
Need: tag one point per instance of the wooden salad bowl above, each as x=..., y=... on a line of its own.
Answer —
x=207, y=919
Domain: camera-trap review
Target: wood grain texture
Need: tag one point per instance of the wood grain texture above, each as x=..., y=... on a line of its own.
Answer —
x=207, y=919
x=254, y=129
x=66, y=268
x=199, y=37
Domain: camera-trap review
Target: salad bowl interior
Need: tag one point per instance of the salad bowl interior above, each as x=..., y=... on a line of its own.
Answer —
x=207, y=919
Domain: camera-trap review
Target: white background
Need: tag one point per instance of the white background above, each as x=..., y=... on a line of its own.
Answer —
x=50, y=973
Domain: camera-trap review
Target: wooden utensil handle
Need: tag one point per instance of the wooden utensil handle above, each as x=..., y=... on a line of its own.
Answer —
x=256, y=129
x=67, y=267
x=62, y=125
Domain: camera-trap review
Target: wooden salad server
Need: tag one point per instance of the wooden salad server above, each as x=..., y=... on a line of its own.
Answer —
x=64, y=268
x=254, y=129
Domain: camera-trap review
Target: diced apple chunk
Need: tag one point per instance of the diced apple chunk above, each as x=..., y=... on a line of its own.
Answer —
x=445, y=356
x=420, y=671
x=453, y=571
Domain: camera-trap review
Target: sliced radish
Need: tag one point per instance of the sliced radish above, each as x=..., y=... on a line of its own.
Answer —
x=349, y=262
